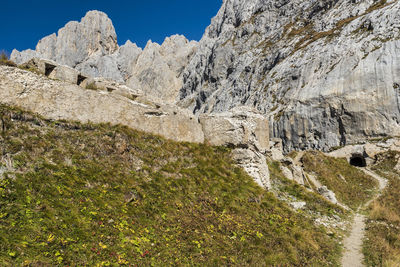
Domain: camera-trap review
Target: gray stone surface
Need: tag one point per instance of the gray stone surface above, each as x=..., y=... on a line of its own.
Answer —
x=240, y=127
x=53, y=70
x=298, y=205
x=255, y=164
x=158, y=69
x=328, y=194
x=324, y=71
x=76, y=41
x=24, y=56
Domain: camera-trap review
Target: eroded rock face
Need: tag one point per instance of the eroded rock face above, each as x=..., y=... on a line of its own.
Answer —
x=324, y=71
x=328, y=194
x=74, y=43
x=240, y=127
x=246, y=131
x=158, y=69
x=90, y=46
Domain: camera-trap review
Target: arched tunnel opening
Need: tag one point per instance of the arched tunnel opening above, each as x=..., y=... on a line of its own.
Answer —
x=358, y=161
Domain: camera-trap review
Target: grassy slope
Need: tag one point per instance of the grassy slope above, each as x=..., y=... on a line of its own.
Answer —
x=351, y=186
x=289, y=189
x=77, y=194
x=382, y=246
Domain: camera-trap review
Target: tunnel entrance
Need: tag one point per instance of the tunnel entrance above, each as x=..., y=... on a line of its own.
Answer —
x=81, y=79
x=358, y=161
x=48, y=69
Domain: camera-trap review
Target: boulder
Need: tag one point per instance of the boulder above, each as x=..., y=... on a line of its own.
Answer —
x=298, y=205
x=328, y=194
x=287, y=172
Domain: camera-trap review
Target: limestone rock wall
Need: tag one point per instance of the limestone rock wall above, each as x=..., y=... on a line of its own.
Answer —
x=325, y=72
x=158, y=69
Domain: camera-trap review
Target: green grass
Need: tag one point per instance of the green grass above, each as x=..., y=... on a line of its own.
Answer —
x=382, y=246
x=351, y=186
x=29, y=67
x=83, y=194
x=92, y=86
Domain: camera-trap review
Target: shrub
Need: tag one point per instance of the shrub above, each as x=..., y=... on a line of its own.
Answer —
x=92, y=86
x=4, y=60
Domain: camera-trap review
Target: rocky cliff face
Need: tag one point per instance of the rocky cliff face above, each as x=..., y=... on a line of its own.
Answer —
x=158, y=70
x=326, y=72
x=91, y=47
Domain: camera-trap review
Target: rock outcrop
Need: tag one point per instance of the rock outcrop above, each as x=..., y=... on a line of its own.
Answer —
x=57, y=100
x=90, y=46
x=246, y=132
x=158, y=69
x=324, y=71
x=362, y=155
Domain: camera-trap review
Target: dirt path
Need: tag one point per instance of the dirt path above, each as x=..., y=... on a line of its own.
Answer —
x=353, y=256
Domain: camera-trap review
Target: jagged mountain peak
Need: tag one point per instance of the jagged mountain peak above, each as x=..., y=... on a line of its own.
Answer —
x=90, y=46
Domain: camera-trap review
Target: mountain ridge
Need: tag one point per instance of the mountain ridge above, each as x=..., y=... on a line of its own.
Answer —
x=90, y=46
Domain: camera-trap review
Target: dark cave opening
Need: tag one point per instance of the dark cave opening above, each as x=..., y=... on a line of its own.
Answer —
x=48, y=69
x=358, y=161
x=81, y=79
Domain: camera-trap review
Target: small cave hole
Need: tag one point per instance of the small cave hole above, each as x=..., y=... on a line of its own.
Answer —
x=48, y=69
x=358, y=161
x=109, y=89
x=80, y=79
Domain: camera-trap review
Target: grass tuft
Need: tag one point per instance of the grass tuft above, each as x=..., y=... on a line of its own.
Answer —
x=4, y=60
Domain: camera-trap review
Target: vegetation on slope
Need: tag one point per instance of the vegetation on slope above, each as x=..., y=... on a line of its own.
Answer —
x=4, y=61
x=382, y=245
x=351, y=186
x=83, y=194
x=288, y=189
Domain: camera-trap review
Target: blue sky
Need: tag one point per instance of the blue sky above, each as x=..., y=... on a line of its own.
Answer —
x=24, y=22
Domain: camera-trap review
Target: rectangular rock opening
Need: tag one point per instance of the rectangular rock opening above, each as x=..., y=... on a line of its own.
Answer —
x=109, y=89
x=81, y=79
x=48, y=69
x=133, y=97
